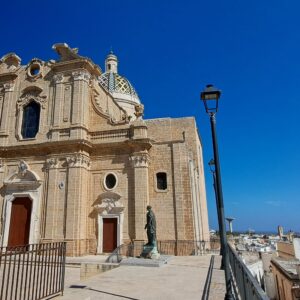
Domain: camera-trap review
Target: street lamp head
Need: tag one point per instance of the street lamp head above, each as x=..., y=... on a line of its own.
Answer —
x=211, y=164
x=210, y=97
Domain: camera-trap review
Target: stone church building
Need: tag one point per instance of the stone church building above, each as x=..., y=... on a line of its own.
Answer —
x=79, y=163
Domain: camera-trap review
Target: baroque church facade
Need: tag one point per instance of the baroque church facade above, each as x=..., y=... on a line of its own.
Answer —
x=78, y=163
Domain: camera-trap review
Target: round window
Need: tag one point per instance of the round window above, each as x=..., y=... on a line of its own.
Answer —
x=34, y=70
x=110, y=181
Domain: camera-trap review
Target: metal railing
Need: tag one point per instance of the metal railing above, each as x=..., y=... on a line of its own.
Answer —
x=33, y=271
x=178, y=248
x=244, y=284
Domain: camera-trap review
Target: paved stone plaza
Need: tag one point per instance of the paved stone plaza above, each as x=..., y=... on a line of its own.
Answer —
x=182, y=278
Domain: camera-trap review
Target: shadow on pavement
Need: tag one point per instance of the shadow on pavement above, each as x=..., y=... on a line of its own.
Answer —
x=103, y=292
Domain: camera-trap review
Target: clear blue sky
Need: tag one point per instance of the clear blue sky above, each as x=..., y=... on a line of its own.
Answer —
x=170, y=50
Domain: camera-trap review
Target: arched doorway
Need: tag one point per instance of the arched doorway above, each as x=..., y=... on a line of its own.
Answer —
x=20, y=218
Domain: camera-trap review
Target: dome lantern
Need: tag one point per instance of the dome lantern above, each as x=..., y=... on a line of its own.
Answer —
x=111, y=63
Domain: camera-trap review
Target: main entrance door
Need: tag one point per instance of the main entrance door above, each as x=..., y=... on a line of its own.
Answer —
x=19, y=228
x=110, y=227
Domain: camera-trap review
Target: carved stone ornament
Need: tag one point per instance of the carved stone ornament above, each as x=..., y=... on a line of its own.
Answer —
x=139, y=111
x=65, y=52
x=58, y=78
x=9, y=86
x=109, y=206
x=140, y=160
x=78, y=161
x=32, y=95
x=50, y=163
x=81, y=75
x=23, y=168
x=10, y=62
x=34, y=69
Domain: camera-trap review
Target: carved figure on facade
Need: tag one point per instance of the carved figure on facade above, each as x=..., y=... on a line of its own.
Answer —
x=58, y=78
x=50, y=163
x=139, y=111
x=23, y=168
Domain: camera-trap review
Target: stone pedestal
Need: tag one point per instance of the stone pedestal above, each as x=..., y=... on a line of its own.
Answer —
x=150, y=251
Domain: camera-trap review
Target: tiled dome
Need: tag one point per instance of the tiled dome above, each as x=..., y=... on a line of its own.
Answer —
x=117, y=86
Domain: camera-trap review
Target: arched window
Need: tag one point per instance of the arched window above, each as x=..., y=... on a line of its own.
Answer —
x=31, y=120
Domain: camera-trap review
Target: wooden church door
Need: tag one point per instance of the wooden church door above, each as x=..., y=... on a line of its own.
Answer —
x=19, y=228
x=110, y=234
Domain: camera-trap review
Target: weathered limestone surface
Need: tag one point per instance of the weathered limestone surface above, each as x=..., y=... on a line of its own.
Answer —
x=84, y=135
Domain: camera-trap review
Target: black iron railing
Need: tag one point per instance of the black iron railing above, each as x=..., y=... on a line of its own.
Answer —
x=33, y=271
x=178, y=248
x=244, y=284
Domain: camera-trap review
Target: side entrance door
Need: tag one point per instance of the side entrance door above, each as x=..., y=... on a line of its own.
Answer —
x=19, y=228
x=110, y=227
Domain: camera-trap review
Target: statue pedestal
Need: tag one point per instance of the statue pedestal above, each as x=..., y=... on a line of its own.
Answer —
x=150, y=251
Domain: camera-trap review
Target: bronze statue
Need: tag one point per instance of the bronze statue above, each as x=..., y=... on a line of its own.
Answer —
x=151, y=227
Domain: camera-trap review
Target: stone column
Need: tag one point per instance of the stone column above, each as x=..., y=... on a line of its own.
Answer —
x=6, y=107
x=140, y=162
x=76, y=204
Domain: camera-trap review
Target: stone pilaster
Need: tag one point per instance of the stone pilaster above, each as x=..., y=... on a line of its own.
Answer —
x=6, y=107
x=76, y=205
x=58, y=101
x=140, y=163
x=80, y=94
x=177, y=160
x=2, y=166
x=50, y=213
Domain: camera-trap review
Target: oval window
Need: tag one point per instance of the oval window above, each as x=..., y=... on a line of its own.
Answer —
x=110, y=181
x=34, y=70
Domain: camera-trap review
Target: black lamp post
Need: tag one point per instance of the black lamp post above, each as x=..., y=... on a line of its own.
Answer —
x=211, y=164
x=210, y=97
